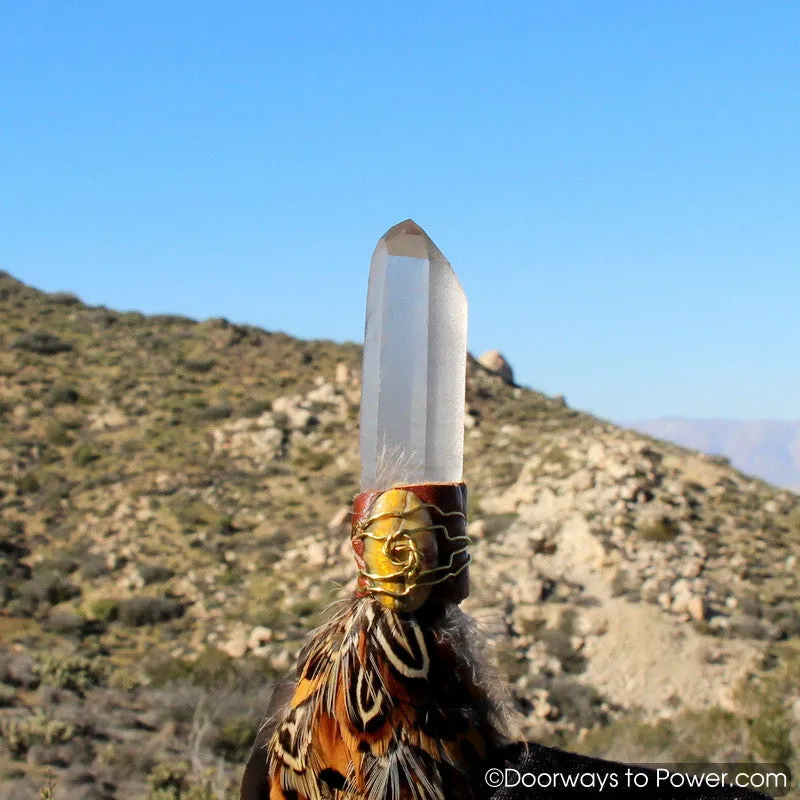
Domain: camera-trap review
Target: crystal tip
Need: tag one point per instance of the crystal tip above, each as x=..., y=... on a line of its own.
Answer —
x=408, y=239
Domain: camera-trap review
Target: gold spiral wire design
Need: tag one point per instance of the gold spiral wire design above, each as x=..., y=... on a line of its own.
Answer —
x=402, y=550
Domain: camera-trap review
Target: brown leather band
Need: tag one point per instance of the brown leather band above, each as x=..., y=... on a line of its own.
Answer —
x=441, y=497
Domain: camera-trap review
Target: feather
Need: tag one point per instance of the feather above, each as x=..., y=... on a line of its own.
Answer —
x=395, y=467
x=387, y=706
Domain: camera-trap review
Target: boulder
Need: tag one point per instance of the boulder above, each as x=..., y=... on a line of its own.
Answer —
x=494, y=362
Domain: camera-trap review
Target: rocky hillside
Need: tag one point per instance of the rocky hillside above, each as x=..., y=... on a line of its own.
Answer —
x=173, y=509
x=769, y=449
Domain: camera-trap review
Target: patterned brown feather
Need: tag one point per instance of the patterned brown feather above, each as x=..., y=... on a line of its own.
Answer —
x=387, y=706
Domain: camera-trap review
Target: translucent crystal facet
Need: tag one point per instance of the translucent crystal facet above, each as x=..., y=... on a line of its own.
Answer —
x=415, y=350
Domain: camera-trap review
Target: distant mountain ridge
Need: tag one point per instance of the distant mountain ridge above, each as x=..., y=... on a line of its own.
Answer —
x=769, y=449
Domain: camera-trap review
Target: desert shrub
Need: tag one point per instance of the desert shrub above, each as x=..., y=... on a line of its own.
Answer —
x=223, y=527
x=748, y=626
x=94, y=566
x=231, y=577
x=195, y=513
x=630, y=738
x=105, y=609
x=786, y=617
x=708, y=734
x=792, y=520
x=168, y=319
x=126, y=680
x=255, y=408
x=658, y=530
x=138, y=611
x=47, y=587
x=168, y=781
x=199, y=365
x=312, y=460
x=53, y=487
x=154, y=573
x=211, y=667
x=64, y=298
x=172, y=781
x=236, y=737
x=21, y=733
x=13, y=570
x=765, y=701
x=65, y=622
x=41, y=343
x=212, y=671
x=57, y=433
x=8, y=695
x=76, y=673
x=62, y=564
x=84, y=454
x=63, y=395
x=212, y=413
x=28, y=483
x=5, y=408
x=72, y=421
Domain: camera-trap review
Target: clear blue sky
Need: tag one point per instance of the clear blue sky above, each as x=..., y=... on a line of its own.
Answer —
x=617, y=184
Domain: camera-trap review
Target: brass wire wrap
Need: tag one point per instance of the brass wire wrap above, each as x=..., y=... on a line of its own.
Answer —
x=402, y=549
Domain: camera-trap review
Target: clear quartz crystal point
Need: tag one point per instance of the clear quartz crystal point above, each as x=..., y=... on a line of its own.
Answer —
x=415, y=353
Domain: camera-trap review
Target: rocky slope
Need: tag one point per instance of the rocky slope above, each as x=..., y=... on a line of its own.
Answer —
x=173, y=508
x=769, y=449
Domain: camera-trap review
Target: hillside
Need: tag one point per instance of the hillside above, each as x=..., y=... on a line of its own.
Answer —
x=173, y=500
x=769, y=449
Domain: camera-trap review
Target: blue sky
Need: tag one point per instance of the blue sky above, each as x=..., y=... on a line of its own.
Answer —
x=617, y=184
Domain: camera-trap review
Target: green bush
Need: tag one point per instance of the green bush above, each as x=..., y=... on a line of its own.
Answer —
x=658, y=530
x=211, y=667
x=21, y=733
x=212, y=413
x=8, y=695
x=94, y=566
x=312, y=460
x=63, y=395
x=57, y=433
x=236, y=738
x=766, y=701
x=255, y=408
x=223, y=527
x=41, y=343
x=84, y=454
x=138, y=611
x=28, y=483
x=105, y=610
x=154, y=573
x=67, y=623
x=62, y=564
x=64, y=299
x=199, y=365
x=76, y=673
x=171, y=781
x=47, y=588
x=168, y=781
x=195, y=513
